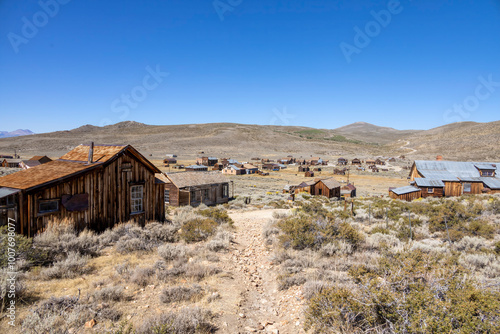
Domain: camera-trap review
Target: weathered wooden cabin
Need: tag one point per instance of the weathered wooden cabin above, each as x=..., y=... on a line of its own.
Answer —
x=233, y=170
x=207, y=161
x=407, y=193
x=309, y=174
x=380, y=162
x=342, y=161
x=11, y=163
x=327, y=187
x=169, y=161
x=303, y=169
x=94, y=186
x=430, y=187
x=355, y=161
x=43, y=159
x=210, y=188
x=458, y=177
x=196, y=168
x=349, y=190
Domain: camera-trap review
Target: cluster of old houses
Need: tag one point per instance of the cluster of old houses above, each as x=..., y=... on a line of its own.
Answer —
x=448, y=178
x=10, y=162
x=328, y=187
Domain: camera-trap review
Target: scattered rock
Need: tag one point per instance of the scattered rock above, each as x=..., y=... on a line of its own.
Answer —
x=242, y=315
x=90, y=323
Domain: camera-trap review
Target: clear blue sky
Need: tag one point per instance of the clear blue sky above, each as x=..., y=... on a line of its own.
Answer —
x=266, y=62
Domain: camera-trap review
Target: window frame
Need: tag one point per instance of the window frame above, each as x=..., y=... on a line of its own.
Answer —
x=469, y=185
x=430, y=190
x=45, y=201
x=132, y=199
x=225, y=191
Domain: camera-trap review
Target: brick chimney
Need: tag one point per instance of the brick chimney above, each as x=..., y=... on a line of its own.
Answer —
x=439, y=158
x=91, y=153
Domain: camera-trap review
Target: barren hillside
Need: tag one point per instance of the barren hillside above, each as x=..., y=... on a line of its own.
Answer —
x=468, y=140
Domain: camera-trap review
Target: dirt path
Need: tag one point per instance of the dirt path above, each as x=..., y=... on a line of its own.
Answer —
x=260, y=306
x=405, y=146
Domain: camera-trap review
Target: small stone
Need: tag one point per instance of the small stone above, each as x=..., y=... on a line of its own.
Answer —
x=90, y=323
x=242, y=315
x=129, y=317
x=297, y=323
x=250, y=329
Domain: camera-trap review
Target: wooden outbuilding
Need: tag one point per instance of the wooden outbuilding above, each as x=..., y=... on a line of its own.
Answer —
x=196, y=168
x=342, y=161
x=408, y=193
x=210, y=188
x=355, y=161
x=349, y=190
x=380, y=162
x=309, y=174
x=94, y=186
x=327, y=187
x=11, y=163
x=430, y=187
x=169, y=161
x=303, y=169
x=42, y=159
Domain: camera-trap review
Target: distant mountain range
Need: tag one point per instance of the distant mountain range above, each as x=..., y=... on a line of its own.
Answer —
x=17, y=133
x=458, y=141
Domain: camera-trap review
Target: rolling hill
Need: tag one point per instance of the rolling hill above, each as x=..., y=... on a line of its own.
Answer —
x=466, y=141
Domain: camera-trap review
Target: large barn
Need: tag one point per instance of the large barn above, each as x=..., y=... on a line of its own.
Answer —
x=95, y=186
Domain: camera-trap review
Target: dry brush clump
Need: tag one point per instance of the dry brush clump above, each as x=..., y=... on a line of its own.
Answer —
x=181, y=293
x=72, y=266
x=192, y=320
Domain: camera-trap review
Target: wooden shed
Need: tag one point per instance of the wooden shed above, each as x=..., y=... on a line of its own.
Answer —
x=210, y=188
x=309, y=174
x=42, y=159
x=169, y=161
x=356, y=161
x=342, y=161
x=196, y=168
x=349, y=190
x=303, y=169
x=408, y=193
x=327, y=187
x=430, y=188
x=94, y=186
x=11, y=163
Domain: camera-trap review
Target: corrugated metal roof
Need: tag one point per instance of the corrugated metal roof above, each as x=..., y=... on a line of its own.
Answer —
x=485, y=166
x=438, y=175
x=491, y=182
x=470, y=179
x=459, y=169
x=405, y=190
x=190, y=179
x=196, y=167
x=4, y=192
x=431, y=183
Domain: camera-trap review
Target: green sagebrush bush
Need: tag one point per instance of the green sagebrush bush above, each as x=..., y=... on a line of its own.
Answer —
x=198, y=229
x=410, y=292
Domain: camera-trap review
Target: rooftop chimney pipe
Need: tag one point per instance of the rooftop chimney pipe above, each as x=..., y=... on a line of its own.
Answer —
x=91, y=153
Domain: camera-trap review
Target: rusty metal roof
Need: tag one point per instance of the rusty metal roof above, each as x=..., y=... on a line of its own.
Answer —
x=102, y=153
x=39, y=157
x=44, y=174
x=189, y=179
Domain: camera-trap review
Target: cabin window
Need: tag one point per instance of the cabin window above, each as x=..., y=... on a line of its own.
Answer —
x=467, y=187
x=430, y=190
x=48, y=206
x=225, y=191
x=136, y=198
x=167, y=195
x=205, y=194
x=487, y=173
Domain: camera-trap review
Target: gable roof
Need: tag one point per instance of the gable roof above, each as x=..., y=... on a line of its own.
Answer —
x=31, y=163
x=187, y=179
x=106, y=154
x=52, y=171
x=429, y=183
x=39, y=157
x=330, y=183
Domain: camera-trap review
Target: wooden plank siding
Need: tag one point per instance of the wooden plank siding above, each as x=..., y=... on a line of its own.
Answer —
x=406, y=197
x=436, y=192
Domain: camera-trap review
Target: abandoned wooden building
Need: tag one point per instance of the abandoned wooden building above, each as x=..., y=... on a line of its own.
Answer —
x=196, y=168
x=207, y=161
x=11, y=163
x=94, y=186
x=458, y=177
x=342, y=161
x=349, y=190
x=328, y=187
x=407, y=193
x=210, y=188
x=303, y=169
x=169, y=161
x=34, y=161
x=355, y=161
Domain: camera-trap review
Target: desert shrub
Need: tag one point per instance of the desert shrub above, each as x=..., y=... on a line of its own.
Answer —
x=348, y=233
x=23, y=246
x=496, y=247
x=286, y=281
x=170, y=252
x=409, y=292
x=124, y=269
x=142, y=276
x=302, y=231
x=220, y=240
x=337, y=247
x=109, y=294
x=469, y=244
x=110, y=313
x=217, y=214
x=480, y=228
x=198, y=229
x=127, y=245
x=181, y=293
x=381, y=241
x=60, y=238
x=186, y=321
x=130, y=237
x=9, y=286
x=311, y=288
x=73, y=266
x=198, y=271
